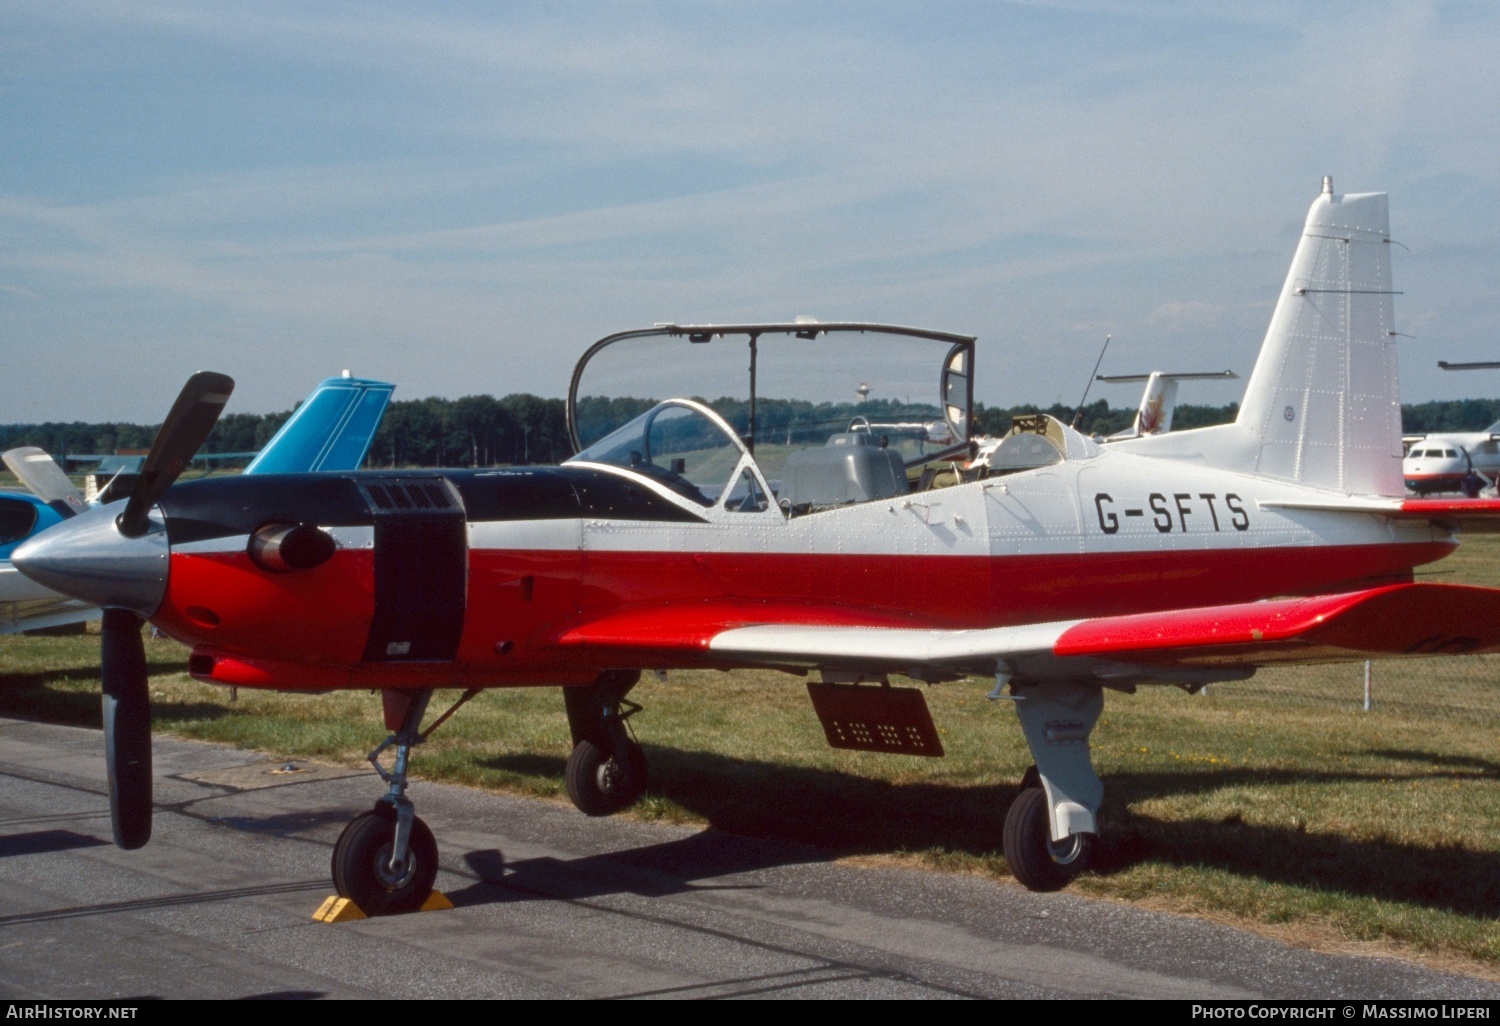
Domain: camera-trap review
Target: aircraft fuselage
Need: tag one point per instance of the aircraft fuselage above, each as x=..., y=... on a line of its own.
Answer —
x=484, y=591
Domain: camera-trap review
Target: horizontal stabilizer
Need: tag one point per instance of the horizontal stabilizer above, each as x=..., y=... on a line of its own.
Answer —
x=1472, y=516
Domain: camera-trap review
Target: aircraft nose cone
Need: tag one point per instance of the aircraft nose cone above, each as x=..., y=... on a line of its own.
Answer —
x=88, y=558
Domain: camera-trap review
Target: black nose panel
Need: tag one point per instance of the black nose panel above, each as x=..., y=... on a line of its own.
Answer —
x=421, y=576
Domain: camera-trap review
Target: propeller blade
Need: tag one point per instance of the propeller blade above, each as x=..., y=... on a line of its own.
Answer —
x=127, y=727
x=40, y=472
x=188, y=423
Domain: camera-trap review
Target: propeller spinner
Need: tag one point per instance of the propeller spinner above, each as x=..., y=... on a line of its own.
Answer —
x=116, y=556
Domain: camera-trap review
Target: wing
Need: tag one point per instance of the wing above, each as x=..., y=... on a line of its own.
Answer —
x=1216, y=642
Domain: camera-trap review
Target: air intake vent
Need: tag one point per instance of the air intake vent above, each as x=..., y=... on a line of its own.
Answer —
x=425, y=495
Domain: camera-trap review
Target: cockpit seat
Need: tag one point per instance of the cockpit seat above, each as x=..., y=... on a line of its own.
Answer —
x=1023, y=450
x=851, y=467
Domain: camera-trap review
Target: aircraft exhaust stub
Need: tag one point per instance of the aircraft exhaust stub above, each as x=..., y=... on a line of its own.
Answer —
x=282, y=548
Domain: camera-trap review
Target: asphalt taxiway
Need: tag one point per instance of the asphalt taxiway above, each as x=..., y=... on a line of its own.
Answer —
x=551, y=904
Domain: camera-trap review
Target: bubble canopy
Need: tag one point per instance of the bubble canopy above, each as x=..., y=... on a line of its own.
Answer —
x=786, y=386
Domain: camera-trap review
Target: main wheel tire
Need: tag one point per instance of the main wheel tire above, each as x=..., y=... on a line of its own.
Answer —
x=600, y=783
x=1037, y=862
x=361, y=865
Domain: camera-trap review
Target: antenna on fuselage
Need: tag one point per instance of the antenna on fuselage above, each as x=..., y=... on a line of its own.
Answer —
x=1078, y=413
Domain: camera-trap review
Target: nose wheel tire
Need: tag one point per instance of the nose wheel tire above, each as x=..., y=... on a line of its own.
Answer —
x=1039, y=863
x=362, y=871
x=602, y=783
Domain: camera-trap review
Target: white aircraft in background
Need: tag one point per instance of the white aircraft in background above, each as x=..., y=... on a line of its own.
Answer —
x=1021, y=449
x=1454, y=461
x=1159, y=400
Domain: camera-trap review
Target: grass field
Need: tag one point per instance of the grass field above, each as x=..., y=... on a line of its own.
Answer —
x=1276, y=803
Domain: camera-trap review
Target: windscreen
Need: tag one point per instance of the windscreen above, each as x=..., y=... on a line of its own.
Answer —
x=675, y=444
x=910, y=393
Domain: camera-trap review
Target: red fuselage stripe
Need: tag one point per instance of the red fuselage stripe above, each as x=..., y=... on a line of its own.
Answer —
x=521, y=602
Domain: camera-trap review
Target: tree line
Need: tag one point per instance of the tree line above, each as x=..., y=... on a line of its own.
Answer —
x=481, y=431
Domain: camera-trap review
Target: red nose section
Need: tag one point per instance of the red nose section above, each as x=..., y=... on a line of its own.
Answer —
x=225, y=602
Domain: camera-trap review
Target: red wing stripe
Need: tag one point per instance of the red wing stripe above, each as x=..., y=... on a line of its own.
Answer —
x=1403, y=619
x=1450, y=507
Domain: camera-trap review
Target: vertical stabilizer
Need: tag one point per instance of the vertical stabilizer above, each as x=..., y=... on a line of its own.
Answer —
x=330, y=431
x=1322, y=405
x=1154, y=415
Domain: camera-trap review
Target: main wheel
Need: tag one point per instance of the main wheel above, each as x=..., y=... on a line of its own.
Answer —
x=1037, y=862
x=361, y=865
x=600, y=783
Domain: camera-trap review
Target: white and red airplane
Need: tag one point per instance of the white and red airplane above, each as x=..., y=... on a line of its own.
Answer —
x=672, y=541
x=1454, y=461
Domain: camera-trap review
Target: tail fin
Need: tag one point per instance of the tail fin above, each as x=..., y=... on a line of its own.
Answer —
x=1323, y=402
x=1157, y=403
x=1322, y=407
x=1159, y=400
x=330, y=431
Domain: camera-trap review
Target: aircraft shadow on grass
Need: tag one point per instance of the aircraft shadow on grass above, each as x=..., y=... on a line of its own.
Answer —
x=31, y=696
x=809, y=815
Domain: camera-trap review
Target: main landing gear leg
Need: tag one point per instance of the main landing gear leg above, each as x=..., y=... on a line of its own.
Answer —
x=386, y=860
x=607, y=770
x=1052, y=825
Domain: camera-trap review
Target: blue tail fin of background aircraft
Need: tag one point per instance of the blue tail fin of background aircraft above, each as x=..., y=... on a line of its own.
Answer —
x=330, y=431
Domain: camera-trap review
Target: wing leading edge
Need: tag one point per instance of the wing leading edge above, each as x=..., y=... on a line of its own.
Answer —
x=1399, y=620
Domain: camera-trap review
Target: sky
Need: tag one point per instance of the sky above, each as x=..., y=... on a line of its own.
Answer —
x=460, y=198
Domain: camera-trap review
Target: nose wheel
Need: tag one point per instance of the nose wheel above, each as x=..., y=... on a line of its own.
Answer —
x=386, y=861
x=364, y=871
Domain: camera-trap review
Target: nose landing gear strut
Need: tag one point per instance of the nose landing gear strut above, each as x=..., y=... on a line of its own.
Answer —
x=386, y=860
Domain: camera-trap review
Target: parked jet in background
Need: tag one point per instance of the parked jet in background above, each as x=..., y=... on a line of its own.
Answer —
x=331, y=430
x=679, y=540
x=1159, y=400
x=1454, y=461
